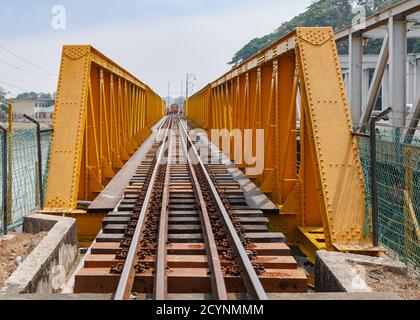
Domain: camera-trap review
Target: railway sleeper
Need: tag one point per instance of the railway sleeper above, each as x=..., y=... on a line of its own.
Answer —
x=189, y=280
x=262, y=249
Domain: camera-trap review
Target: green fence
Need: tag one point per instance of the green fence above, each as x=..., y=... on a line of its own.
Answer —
x=23, y=173
x=398, y=189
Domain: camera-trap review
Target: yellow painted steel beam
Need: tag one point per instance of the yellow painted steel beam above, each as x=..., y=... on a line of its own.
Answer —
x=102, y=114
x=312, y=167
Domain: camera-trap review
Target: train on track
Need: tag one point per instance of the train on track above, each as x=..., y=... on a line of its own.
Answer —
x=174, y=109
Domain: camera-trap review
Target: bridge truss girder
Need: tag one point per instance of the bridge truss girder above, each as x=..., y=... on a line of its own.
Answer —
x=102, y=115
x=321, y=183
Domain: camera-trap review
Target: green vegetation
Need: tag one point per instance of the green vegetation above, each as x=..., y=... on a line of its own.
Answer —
x=3, y=94
x=34, y=96
x=335, y=13
x=3, y=101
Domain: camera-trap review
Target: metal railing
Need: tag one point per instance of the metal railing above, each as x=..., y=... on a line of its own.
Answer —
x=391, y=168
x=24, y=161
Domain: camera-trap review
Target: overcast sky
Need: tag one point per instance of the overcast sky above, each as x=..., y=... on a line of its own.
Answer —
x=156, y=40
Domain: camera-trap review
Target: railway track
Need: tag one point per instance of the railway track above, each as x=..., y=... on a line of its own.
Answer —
x=184, y=228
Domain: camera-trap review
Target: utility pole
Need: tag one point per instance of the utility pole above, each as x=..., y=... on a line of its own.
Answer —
x=186, y=96
x=169, y=92
x=182, y=96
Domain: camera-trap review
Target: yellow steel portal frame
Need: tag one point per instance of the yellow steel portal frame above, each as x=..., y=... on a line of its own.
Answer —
x=102, y=115
x=312, y=167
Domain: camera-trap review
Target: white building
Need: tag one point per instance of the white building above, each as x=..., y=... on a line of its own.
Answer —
x=30, y=107
x=43, y=114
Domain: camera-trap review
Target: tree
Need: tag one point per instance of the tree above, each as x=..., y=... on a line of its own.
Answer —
x=2, y=94
x=27, y=95
x=46, y=96
x=34, y=96
x=3, y=105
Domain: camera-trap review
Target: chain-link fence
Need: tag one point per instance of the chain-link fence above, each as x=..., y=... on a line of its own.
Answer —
x=398, y=191
x=23, y=191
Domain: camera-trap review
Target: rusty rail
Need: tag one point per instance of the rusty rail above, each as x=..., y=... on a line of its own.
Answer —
x=160, y=286
x=125, y=284
x=152, y=215
x=216, y=273
x=252, y=283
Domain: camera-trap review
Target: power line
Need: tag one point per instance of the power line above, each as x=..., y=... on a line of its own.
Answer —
x=23, y=81
x=11, y=85
x=23, y=70
x=25, y=60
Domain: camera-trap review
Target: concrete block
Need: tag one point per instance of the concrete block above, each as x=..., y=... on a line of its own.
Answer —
x=45, y=270
x=57, y=297
x=344, y=272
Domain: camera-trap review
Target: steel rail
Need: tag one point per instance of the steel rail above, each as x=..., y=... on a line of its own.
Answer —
x=216, y=274
x=251, y=281
x=160, y=289
x=128, y=274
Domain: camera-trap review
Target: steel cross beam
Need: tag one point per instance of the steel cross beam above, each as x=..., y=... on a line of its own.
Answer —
x=400, y=11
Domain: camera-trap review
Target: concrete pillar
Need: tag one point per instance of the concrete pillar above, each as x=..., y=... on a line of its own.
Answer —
x=346, y=80
x=365, y=86
x=397, y=70
x=410, y=82
x=385, y=90
x=355, y=76
x=417, y=78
